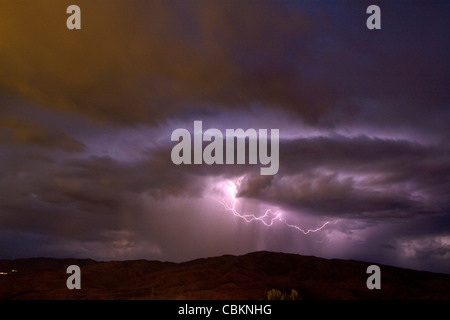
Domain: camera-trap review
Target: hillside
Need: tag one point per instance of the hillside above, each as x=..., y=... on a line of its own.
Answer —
x=248, y=276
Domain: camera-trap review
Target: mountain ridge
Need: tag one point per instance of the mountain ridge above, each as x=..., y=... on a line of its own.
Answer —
x=243, y=277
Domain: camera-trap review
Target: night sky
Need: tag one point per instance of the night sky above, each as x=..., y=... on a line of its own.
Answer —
x=86, y=118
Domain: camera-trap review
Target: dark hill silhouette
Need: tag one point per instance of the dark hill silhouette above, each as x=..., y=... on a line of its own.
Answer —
x=248, y=276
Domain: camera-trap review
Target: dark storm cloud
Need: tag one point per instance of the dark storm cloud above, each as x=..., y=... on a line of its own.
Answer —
x=160, y=58
x=359, y=177
x=99, y=185
x=108, y=209
x=351, y=177
x=41, y=193
x=144, y=62
x=336, y=176
x=28, y=132
x=397, y=77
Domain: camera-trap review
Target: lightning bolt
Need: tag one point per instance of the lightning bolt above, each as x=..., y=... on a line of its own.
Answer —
x=268, y=218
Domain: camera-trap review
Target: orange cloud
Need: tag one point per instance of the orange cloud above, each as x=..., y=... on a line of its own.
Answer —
x=139, y=62
x=28, y=132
